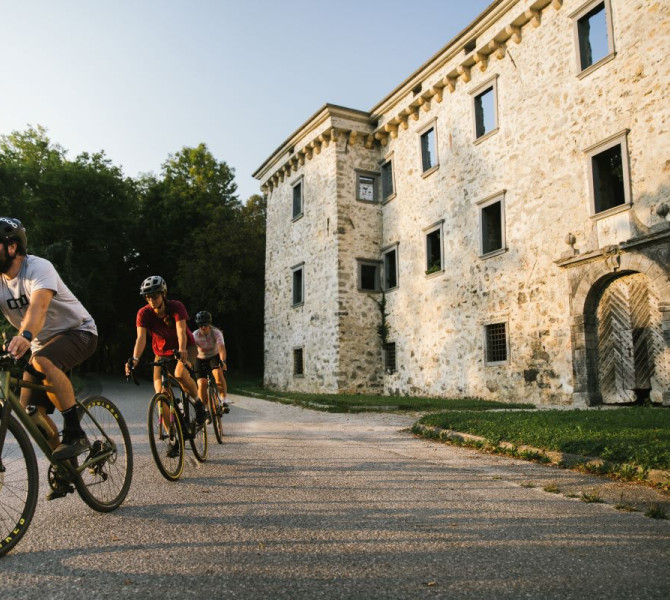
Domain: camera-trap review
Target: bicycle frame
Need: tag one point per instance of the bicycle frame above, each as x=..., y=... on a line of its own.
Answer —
x=9, y=402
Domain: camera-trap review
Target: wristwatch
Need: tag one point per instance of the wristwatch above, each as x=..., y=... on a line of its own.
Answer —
x=26, y=334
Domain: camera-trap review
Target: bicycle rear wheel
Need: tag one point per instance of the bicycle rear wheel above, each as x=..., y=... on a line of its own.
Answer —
x=18, y=486
x=199, y=443
x=105, y=484
x=165, y=437
x=216, y=411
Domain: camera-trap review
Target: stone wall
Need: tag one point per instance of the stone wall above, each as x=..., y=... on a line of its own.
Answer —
x=549, y=116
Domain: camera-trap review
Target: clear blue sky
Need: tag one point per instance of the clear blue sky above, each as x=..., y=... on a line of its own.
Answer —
x=140, y=79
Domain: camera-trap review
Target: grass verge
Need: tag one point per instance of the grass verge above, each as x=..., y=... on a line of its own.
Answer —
x=363, y=402
x=633, y=438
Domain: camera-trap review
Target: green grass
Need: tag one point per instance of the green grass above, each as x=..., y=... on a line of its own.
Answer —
x=635, y=435
x=357, y=402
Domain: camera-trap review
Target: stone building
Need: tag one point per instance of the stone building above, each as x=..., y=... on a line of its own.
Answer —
x=498, y=226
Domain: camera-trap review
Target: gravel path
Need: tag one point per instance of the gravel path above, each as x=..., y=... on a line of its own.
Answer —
x=305, y=504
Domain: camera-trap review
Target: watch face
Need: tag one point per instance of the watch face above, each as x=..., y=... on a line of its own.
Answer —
x=366, y=189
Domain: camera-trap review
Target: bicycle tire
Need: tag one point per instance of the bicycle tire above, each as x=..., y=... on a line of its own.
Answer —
x=105, y=485
x=198, y=441
x=170, y=467
x=216, y=411
x=19, y=486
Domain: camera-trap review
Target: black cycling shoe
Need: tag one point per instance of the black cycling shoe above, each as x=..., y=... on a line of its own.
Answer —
x=200, y=414
x=173, y=452
x=226, y=408
x=72, y=445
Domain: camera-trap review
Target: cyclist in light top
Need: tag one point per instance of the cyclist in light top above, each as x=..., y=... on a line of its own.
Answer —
x=212, y=354
x=53, y=324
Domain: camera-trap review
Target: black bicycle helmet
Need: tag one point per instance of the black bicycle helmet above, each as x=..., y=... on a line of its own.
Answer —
x=153, y=284
x=203, y=318
x=12, y=230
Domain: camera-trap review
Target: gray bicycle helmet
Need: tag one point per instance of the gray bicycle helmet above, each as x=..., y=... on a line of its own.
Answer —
x=153, y=284
x=203, y=318
x=12, y=230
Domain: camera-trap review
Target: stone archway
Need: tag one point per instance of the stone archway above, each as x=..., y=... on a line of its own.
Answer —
x=629, y=340
x=620, y=321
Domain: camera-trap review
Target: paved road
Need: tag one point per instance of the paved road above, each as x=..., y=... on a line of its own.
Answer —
x=303, y=504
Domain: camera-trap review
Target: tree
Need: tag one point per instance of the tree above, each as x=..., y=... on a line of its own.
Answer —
x=78, y=214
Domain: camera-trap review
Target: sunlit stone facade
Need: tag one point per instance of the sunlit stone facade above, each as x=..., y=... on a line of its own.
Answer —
x=497, y=227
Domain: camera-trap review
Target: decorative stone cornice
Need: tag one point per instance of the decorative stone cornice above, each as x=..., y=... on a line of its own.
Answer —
x=310, y=139
x=493, y=48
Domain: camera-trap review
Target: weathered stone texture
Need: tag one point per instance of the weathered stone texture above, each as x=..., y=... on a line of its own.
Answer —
x=548, y=117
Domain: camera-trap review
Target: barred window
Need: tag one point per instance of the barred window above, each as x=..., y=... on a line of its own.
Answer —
x=298, y=364
x=390, y=358
x=496, y=342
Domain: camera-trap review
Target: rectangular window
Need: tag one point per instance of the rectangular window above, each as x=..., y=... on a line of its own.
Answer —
x=492, y=224
x=368, y=276
x=367, y=187
x=298, y=285
x=485, y=121
x=387, y=180
x=434, y=260
x=485, y=108
x=390, y=358
x=297, y=200
x=593, y=33
x=608, y=166
x=608, y=186
x=298, y=362
x=428, y=150
x=496, y=343
x=390, y=259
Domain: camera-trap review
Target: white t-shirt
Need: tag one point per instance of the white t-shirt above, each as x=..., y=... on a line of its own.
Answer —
x=208, y=345
x=65, y=312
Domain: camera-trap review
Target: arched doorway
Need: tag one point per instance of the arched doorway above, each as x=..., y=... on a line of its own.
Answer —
x=629, y=339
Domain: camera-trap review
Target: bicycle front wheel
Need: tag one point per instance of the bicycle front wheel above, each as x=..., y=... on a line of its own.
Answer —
x=165, y=437
x=198, y=440
x=104, y=485
x=18, y=486
x=216, y=411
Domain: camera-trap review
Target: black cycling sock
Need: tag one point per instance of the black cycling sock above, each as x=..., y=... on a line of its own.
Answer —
x=71, y=418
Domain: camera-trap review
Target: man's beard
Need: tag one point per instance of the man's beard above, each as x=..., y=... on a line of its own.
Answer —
x=6, y=261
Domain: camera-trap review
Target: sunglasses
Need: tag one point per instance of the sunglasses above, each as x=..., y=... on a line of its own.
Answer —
x=153, y=296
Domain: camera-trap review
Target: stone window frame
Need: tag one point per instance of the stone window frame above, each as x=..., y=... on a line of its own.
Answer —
x=386, y=251
x=295, y=184
x=388, y=160
x=480, y=90
x=368, y=262
x=423, y=130
x=576, y=17
x=390, y=351
x=485, y=341
x=299, y=268
x=376, y=180
x=618, y=139
x=427, y=231
x=299, y=361
x=481, y=205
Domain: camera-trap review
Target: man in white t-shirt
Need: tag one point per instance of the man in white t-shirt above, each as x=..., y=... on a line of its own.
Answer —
x=211, y=355
x=52, y=323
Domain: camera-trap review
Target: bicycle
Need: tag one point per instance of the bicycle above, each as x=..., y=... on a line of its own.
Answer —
x=216, y=407
x=170, y=421
x=102, y=480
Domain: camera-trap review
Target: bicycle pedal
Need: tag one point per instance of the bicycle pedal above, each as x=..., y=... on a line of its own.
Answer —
x=60, y=492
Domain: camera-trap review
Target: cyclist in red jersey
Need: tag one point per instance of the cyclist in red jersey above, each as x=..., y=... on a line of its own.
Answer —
x=166, y=320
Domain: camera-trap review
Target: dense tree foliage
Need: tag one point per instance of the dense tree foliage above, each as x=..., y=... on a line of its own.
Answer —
x=105, y=233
